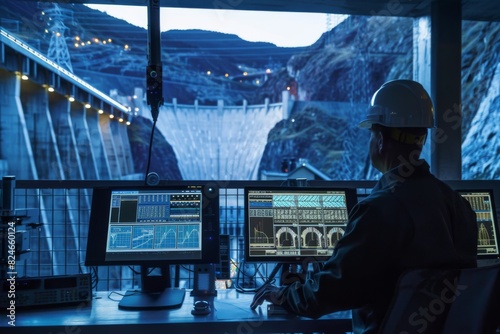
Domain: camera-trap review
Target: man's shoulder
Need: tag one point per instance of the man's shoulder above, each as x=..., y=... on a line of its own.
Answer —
x=381, y=202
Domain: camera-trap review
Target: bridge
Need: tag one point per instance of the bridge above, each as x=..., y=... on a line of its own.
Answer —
x=50, y=120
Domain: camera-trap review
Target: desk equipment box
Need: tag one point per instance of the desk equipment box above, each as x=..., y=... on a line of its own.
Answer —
x=46, y=291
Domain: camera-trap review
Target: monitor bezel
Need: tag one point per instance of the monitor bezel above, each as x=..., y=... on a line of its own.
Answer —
x=351, y=201
x=99, y=217
x=491, y=192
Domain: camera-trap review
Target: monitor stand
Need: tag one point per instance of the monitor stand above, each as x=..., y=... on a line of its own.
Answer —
x=156, y=292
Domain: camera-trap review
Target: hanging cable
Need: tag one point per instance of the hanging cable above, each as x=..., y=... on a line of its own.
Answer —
x=153, y=77
x=150, y=150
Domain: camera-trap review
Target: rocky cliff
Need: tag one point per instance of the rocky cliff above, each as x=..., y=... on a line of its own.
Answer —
x=351, y=62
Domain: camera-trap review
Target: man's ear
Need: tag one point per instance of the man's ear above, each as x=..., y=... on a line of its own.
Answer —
x=380, y=142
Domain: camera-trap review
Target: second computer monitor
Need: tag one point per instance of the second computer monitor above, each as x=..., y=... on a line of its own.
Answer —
x=290, y=224
x=483, y=203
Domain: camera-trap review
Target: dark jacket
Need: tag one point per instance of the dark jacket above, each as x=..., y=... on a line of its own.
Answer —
x=410, y=220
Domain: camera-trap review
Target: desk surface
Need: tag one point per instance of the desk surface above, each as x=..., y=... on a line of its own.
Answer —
x=230, y=314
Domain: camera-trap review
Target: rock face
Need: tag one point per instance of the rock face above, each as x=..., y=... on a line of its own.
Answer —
x=481, y=147
x=323, y=133
x=353, y=59
x=347, y=65
x=350, y=63
x=481, y=100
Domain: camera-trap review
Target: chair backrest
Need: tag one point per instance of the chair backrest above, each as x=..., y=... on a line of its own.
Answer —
x=446, y=301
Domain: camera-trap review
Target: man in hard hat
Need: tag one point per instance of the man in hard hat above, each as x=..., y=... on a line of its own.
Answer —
x=410, y=220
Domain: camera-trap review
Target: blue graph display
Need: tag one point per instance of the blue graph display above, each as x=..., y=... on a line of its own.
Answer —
x=120, y=237
x=142, y=237
x=155, y=237
x=165, y=237
x=188, y=236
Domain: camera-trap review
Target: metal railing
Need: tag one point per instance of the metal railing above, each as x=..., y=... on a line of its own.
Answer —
x=56, y=230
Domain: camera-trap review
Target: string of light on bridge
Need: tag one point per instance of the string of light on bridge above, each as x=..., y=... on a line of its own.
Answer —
x=122, y=118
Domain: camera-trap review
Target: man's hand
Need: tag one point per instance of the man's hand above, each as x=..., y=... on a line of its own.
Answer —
x=268, y=293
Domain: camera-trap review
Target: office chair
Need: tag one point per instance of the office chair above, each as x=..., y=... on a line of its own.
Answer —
x=446, y=302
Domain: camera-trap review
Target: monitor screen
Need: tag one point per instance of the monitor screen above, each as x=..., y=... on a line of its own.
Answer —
x=290, y=224
x=482, y=202
x=153, y=225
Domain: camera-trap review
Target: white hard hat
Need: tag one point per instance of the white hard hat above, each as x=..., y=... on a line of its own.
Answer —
x=400, y=104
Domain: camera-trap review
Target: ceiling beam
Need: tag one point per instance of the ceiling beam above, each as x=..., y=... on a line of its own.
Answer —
x=477, y=10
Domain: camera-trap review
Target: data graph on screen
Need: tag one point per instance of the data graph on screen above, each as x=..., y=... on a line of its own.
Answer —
x=153, y=221
x=189, y=236
x=165, y=237
x=293, y=223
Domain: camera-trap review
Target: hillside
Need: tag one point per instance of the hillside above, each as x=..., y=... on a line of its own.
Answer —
x=363, y=52
x=111, y=53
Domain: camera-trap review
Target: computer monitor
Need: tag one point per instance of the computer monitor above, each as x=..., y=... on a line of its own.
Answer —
x=153, y=227
x=295, y=224
x=483, y=204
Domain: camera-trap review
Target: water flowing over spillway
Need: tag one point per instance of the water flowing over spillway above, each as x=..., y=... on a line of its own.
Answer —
x=218, y=142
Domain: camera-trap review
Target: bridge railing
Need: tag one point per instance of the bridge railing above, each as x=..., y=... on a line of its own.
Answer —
x=57, y=228
x=30, y=52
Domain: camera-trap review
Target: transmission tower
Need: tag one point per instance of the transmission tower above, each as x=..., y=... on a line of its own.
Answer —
x=328, y=28
x=333, y=20
x=58, y=49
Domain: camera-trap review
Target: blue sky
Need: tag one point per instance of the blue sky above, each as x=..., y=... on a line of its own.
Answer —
x=282, y=29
